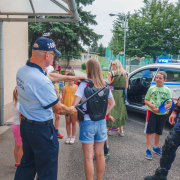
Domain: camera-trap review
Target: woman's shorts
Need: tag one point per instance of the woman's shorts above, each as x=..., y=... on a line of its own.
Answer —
x=92, y=131
x=16, y=132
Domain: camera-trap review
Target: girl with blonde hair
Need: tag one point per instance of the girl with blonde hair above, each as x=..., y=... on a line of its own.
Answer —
x=18, y=152
x=118, y=79
x=93, y=131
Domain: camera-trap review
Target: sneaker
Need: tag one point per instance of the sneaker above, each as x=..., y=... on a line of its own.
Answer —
x=68, y=140
x=157, y=151
x=60, y=135
x=109, y=133
x=16, y=165
x=121, y=133
x=72, y=141
x=107, y=156
x=148, y=154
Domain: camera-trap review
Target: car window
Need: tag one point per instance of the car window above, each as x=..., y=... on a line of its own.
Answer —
x=172, y=74
x=148, y=73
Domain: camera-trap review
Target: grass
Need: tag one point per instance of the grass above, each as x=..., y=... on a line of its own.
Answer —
x=100, y=59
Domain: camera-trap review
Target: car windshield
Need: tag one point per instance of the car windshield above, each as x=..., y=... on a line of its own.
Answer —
x=172, y=74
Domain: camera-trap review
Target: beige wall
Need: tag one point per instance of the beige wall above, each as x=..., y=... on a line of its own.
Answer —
x=77, y=63
x=15, y=40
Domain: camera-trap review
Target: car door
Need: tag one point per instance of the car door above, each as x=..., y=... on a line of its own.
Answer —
x=139, y=83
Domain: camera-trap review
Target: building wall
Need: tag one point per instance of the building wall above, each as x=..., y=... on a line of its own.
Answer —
x=15, y=40
x=77, y=62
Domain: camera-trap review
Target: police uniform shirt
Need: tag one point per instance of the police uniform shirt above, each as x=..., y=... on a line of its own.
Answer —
x=36, y=94
x=80, y=93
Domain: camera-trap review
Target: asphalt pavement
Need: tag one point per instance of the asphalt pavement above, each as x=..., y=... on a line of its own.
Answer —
x=127, y=154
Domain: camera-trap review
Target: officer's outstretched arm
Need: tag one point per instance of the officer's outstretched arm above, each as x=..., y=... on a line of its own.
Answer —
x=62, y=109
x=111, y=104
x=54, y=77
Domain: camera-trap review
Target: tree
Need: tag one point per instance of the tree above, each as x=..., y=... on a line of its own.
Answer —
x=153, y=30
x=101, y=50
x=67, y=36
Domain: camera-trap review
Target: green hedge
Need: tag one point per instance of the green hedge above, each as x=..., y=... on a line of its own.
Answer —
x=83, y=66
x=62, y=71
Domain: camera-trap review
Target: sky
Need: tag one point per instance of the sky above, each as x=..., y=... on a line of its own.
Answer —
x=102, y=9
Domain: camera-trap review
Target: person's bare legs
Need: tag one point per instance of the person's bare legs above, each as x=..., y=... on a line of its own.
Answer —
x=149, y=140
x=100, y=160
x=74, y=126
x=68, y=125
x=18, y=152
x=57, y=119
x=156, y=140
x=121, y=128
x=88, y=160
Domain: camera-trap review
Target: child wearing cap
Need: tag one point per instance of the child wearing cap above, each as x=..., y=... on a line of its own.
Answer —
x=155, y=119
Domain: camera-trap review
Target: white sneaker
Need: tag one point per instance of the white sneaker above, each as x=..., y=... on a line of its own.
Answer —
x=72, y=141
x=68, y=140
x=121, y=133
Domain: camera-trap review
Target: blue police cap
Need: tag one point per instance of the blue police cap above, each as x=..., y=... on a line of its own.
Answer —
x=45, y=44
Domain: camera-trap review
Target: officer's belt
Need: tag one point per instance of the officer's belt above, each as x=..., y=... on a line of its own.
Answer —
x=116, y=88
x=36, y=122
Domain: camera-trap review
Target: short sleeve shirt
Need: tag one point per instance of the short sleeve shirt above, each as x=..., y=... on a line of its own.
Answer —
x=80, y=93
x=157, y=95
x=50, y=69
x=36, y=93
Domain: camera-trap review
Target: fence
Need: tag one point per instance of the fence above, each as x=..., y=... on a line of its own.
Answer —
x=105, y=65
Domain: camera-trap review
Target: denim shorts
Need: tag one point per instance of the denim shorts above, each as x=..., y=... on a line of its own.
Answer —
x=92, y=131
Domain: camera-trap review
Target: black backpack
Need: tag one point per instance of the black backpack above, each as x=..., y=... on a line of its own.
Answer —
x=97, y=104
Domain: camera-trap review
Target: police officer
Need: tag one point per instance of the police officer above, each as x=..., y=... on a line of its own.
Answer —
x=172, y=142
x=38, y=100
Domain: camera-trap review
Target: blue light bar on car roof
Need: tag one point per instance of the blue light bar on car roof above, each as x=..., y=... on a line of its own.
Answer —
x=164, y=61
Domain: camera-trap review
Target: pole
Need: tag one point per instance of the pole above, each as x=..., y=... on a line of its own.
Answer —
x=124, y=43
x=1, y=76
x=88, y=53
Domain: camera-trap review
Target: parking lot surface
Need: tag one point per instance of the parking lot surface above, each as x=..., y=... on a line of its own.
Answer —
x=127, y=155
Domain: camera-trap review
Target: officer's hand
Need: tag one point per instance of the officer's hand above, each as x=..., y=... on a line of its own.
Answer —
x=172, y=117
x=78, y=78
x=72, y=111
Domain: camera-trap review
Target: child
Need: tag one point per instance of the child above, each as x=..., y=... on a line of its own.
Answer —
x=155, y=96
x=57, y=116
x=18, y=152
x=68, y=97
x=106, y=145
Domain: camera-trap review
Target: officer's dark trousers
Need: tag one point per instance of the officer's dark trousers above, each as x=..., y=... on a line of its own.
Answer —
x=170, y=152
x=40, y=152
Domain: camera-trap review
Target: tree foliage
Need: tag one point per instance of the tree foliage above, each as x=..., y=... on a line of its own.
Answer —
x=153, y=30
x=67, y=36
x=98, y=49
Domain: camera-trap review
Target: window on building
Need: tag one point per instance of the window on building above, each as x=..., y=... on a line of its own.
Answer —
x=79, y=59
x=63, y=58
x=85, y=57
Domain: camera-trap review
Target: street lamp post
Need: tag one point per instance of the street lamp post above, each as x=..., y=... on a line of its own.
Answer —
x=125, y=26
